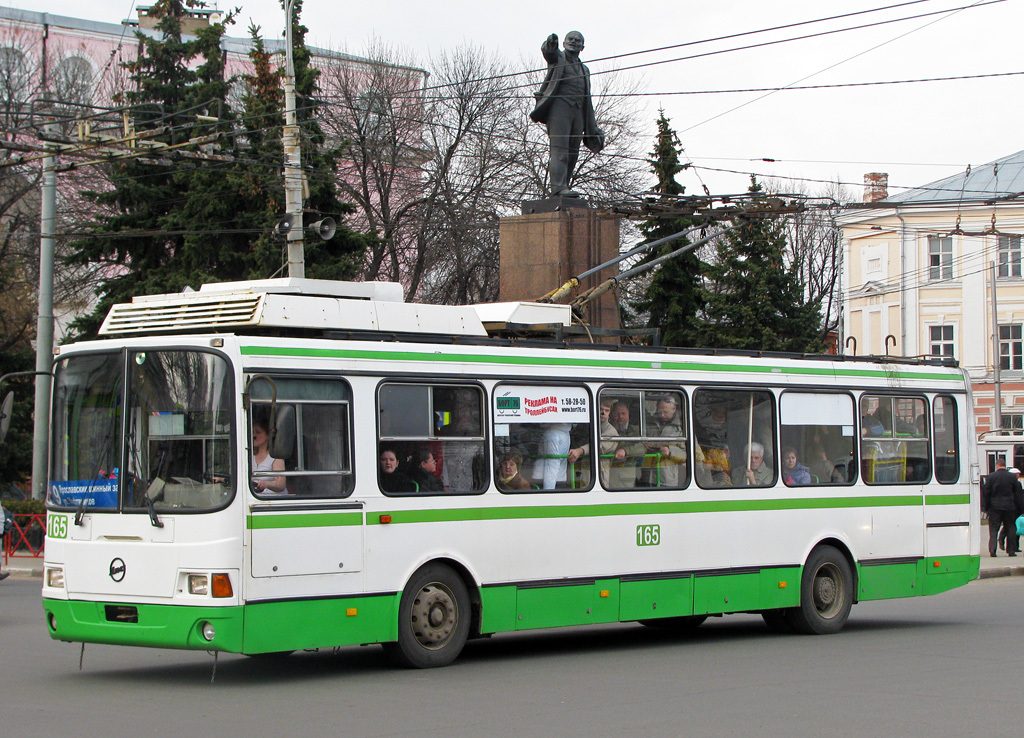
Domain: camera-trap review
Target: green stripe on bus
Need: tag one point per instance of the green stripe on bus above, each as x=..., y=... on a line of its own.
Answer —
x=643, y=508
x=654, y=363
x=303, y=520
x=947, y=499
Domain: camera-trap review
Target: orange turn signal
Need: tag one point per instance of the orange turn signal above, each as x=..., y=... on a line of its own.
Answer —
x=385, y=518
x=936, y=564
x=352, y=612
x=782, y=585
x=222, y=585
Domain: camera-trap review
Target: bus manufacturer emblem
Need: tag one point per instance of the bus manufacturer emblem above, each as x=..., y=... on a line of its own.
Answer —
x=117, y=569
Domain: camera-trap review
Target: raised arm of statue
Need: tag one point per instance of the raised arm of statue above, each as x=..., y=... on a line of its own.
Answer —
x=550, y=48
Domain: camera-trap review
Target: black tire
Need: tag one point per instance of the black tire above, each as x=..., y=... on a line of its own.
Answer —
x=826, y=593
x=682, y=623
x=433, y=619
x=777, y=621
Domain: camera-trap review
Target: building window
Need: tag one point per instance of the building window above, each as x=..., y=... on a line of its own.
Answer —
x=940, y=257
x=1012, y=422
x=1009, y=256
x=1011, y=347
x=941, y=338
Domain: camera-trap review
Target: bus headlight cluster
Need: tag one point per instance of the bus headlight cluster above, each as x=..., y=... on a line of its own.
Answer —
x=55, y=577
x=219, y=585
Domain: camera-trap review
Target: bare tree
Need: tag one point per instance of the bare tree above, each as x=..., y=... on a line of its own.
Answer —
x=815, y=248
x=433, y=167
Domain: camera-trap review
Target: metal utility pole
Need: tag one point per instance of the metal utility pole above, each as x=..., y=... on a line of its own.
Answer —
x=292, y=157
x=995, y=353
x=44, y=331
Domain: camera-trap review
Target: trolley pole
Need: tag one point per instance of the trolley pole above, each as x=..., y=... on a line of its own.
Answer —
x=292, y=157
x=44, y=331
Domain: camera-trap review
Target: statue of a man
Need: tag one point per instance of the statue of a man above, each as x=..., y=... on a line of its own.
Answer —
x=564, y=105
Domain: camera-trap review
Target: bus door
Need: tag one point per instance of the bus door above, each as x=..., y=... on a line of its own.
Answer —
x=301, y=520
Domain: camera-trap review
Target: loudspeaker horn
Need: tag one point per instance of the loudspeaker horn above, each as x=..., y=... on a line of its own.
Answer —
x=285, y=225
x=325, y=228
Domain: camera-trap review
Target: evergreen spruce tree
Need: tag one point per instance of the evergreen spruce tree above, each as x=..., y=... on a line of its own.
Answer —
x=753, y=300
x=168, y=227
x=671, y=300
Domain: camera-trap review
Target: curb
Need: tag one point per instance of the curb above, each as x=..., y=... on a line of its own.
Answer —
x=1001, y=571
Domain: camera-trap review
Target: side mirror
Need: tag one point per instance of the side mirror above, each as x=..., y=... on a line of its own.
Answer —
x=6, y=409
x=282, y=435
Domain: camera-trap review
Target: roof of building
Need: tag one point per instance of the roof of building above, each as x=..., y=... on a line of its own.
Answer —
x=999, y=179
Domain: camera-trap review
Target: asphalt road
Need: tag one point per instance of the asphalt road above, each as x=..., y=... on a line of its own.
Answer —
x=936, y=666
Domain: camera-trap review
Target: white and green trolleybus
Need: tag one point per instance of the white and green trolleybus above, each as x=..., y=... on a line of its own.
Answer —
x=538, y=483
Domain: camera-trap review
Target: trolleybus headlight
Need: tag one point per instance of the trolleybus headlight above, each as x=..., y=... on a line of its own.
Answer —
x=55, y=578
x=222, y=585
x=198, y=584
x=209, y=632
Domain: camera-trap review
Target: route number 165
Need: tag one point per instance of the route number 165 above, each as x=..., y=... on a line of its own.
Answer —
x=648, y=535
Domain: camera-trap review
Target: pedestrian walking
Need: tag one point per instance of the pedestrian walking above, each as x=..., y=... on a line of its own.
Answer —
x=1002, y=500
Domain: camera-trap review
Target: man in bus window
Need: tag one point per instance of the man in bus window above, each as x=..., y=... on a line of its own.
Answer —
x=712, y=436
x=753, y=473
x=669, y=457
x=635, y=450
x=612, y=455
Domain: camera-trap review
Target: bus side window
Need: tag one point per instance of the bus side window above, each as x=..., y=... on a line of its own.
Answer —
x=643, y=436
x=946, y=433
x=817, y=438
x=735, y=438
x=436, y=432
x=898, y=453
x=548, y=427
x=314, y=421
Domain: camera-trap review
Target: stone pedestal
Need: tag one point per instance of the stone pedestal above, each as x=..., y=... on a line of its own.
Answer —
x=541, y=250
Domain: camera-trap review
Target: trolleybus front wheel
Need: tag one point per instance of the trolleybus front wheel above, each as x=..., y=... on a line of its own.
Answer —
x=826, y=593
x=433, y=619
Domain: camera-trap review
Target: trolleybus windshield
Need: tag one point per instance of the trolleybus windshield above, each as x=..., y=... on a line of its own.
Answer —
x=140, y=427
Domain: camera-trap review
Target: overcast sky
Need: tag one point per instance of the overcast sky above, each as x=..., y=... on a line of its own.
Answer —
x=916, y=132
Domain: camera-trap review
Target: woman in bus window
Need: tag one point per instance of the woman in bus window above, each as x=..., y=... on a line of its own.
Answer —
x=793, y=472
x=509, y=478
x=392, y=480
x=263, y=462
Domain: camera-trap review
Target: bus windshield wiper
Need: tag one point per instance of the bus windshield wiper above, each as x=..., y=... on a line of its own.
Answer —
x=80, y=512
x=153, y=518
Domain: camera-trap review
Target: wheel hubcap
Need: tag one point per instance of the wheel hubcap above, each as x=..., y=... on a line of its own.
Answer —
x=829, y=593
x=434, y=616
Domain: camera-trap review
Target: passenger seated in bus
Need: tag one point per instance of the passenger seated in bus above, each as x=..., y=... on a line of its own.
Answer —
x=756, y=473
x=793, y=472
x=392, y=480
x=263, y=462
x=712, y=435
x=669, y=457
x=509, y=479
x=423, y=471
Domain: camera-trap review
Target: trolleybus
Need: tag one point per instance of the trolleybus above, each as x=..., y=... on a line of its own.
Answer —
x=437, y=473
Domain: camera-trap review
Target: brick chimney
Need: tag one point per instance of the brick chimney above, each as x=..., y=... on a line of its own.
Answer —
x=876, y=186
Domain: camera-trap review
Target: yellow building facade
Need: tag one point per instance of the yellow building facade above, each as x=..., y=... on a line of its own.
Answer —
x=925, y=271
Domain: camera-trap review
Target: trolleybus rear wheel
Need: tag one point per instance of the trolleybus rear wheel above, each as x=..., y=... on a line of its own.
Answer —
x=826, y=593
x=433, y=619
